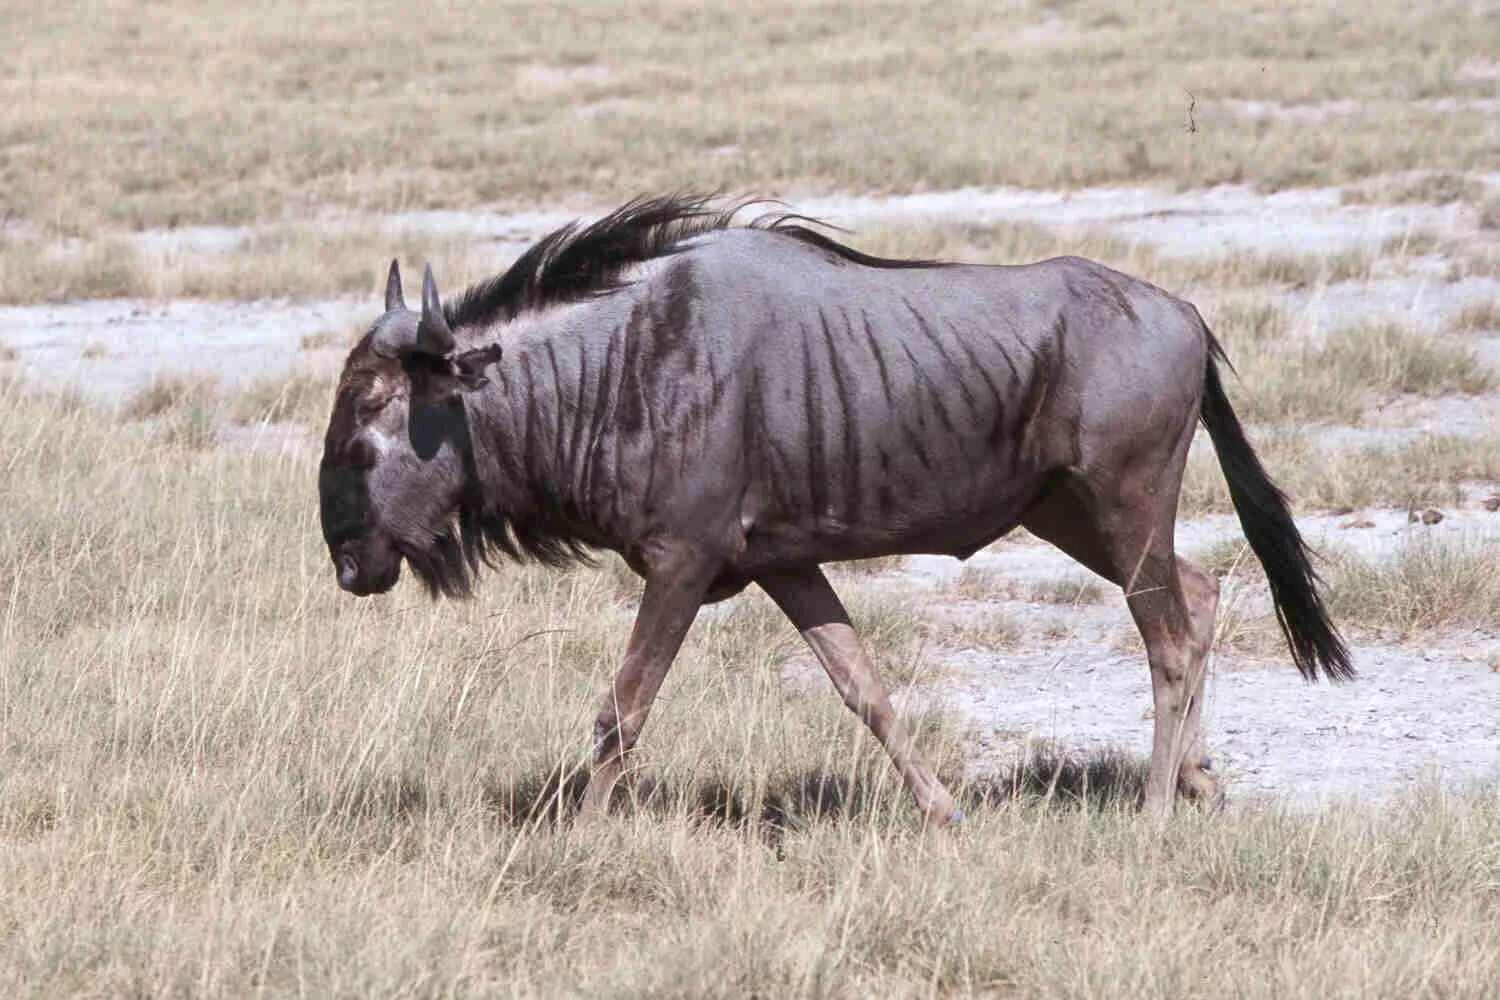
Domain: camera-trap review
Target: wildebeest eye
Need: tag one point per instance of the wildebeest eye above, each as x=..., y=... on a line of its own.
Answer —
x=368, y=407
x=360, y=454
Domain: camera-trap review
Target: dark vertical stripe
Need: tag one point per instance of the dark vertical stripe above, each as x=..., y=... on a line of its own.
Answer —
x=559, y=419
x=885, y=375
x=954, y=370
x=577, y=467
x=601, y=422
x=847, y=436
x=812, y=419
x=997, y=419
x=529, y=437
x=933, y=391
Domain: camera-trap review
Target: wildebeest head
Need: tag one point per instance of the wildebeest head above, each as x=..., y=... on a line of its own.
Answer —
x=396, y=457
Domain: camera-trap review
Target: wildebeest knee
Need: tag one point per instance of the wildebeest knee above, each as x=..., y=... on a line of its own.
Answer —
x=1169, y=668
x=1200, y=588
x=611, y=736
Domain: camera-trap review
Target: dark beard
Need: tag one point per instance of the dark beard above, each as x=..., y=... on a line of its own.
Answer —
x=442, y=566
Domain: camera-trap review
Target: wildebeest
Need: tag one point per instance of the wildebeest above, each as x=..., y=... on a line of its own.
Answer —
x=731, y=404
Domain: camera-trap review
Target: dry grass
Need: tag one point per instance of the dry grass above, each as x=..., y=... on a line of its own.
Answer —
x=1388, y=358
x=1477, y=317
x=226, y=114
x=301, y=396
x=184, y=410
x=168, y=393
x=1228, y=557
x=890, y=622
x=1428, y=469
x=972, y=583
x=869, y=567
x=34, y=271
x=302, y=261
x=1439, y=188
x=1286, y=379
x=324, y=339
x=279, y=262
x=987, y=628
x=1489, y=213
x=1429, y=584
x=1072, y=590
x=219, y=776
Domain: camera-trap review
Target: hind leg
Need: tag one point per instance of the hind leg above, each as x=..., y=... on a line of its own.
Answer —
x=1127, y=537
x=1200, y=590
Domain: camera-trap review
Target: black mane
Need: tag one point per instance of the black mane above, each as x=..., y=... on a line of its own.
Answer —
x=579, y=260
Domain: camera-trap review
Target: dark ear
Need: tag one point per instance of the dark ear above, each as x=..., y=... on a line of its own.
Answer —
x=438, y=380
x=470, y=365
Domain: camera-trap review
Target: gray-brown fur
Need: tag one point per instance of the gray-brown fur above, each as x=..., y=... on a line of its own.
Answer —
x=728, y=405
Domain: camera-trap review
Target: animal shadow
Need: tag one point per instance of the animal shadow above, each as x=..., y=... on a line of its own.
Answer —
x=784, y=803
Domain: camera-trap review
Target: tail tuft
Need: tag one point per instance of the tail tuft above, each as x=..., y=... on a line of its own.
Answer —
x=1273, y=536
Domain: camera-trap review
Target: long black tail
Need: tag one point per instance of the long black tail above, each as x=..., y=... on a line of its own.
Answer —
x=1273, y=536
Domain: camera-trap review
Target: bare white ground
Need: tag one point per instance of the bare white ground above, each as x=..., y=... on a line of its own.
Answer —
x=1191, y=223
x=1321, y=111
x=1222, y=219
x=108, y=349
x=1424, y=301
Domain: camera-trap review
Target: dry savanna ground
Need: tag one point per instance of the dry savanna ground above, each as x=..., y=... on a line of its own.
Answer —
x=221, y=776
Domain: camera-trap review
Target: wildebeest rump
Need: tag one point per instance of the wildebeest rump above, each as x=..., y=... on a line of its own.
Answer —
x=727, y=404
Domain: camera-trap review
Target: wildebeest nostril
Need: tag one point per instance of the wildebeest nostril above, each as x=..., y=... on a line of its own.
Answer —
x=348, y=572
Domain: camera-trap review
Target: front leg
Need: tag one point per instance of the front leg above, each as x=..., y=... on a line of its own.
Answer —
x=678, y=574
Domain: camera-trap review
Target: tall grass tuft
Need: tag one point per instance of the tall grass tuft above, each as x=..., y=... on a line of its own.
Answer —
x=1388, y=357
x=1428, y=584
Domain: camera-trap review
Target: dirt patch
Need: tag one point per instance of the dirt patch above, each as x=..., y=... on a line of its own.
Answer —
x=1189, y=223
x=110, y=349
x=1404, y=721
x=550, y=76
x=1426, y=302
x=1218, y=220
x=1480, y=69
x=1322, y=111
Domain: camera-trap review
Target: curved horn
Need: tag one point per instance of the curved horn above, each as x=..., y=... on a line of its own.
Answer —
x=433, y=334
x=393, y=298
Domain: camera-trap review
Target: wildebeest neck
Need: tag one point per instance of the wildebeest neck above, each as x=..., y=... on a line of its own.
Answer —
x=542, y=438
